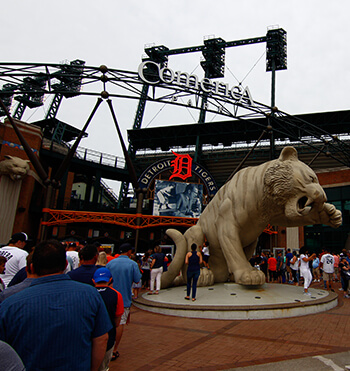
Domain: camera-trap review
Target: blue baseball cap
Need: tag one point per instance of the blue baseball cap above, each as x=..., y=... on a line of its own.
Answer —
x=102, y=275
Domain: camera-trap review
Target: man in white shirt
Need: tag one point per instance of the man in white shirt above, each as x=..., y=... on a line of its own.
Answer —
x=327, y=265
x=15, y=255
x=73, y=254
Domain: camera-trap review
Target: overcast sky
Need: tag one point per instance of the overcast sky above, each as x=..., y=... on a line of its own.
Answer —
x=115, y=32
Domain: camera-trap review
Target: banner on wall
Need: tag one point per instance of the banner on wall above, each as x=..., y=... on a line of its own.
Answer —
x=177, y=199
x=182, y=167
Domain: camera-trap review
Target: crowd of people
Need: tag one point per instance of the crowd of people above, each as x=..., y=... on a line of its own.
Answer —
x=73, y=296
x=78, y=297
x=302, y=268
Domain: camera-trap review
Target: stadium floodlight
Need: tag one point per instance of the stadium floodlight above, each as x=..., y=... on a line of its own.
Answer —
x=6, y=94
x=214, y=58
x=276, y=49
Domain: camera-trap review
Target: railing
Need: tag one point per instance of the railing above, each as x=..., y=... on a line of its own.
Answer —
x=86, y=154
x=91, y=155
x=108, y=190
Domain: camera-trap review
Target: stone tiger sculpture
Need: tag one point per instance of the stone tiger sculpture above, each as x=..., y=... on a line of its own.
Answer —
x=283, y=192
x=15, y=167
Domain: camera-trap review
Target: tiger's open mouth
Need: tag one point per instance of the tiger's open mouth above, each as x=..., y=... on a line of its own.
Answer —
x=304, y=205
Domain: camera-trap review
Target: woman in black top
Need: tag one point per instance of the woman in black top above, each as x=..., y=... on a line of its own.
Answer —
x=156, y=270
x=194, y=260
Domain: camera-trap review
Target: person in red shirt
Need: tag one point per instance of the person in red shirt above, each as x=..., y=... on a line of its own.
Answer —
x=108, y=252
x=272, y=267
x=115, y=307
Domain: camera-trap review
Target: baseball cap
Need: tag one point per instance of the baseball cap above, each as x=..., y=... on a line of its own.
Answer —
x=125, y=247
x=102, y=275
x=21, y=236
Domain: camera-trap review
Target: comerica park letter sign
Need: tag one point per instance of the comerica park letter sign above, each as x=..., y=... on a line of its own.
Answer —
x=167, y=76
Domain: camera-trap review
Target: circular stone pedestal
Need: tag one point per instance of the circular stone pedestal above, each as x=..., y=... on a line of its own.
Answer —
x=232, y=301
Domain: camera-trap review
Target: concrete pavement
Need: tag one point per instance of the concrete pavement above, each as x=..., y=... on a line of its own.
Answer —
x=231, y=301
x=160, y=342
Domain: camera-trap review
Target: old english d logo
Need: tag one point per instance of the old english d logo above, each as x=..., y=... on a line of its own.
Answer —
x=182, y=166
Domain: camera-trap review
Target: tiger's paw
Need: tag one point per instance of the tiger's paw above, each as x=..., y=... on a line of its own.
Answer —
x=206, y=278
x=250, y=277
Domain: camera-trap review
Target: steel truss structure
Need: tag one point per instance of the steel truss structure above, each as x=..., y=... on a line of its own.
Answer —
x=113, y=83
x=61, y=217
x=19, y=81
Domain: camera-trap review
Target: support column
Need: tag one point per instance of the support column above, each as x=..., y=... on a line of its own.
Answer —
x=292, y=238
x=97, y=186
x=87, y=193
x=62, y=191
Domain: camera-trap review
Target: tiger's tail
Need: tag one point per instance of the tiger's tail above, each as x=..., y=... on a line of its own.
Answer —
x=179, y=258
x=183, y=244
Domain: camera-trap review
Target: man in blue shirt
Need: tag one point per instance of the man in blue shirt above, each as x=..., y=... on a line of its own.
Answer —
x=88, y=258
x=68, y=319
x=124, y=271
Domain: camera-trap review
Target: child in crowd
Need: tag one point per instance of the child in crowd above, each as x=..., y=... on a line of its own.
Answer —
x=115, y=306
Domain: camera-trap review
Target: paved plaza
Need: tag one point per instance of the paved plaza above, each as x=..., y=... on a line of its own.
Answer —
x=231, y=301
x=313, y=342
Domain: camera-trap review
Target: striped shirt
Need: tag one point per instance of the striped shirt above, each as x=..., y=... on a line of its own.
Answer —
x=51, y=323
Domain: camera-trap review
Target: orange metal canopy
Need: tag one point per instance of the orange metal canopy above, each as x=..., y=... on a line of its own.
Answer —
x=59, y=217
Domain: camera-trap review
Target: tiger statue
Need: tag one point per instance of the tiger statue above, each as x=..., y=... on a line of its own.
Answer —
x=15, y=167
x=283, y=192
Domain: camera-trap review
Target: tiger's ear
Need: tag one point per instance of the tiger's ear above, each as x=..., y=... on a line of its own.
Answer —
x=289, y=153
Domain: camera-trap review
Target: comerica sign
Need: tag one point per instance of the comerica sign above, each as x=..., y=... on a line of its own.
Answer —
x=185, y=80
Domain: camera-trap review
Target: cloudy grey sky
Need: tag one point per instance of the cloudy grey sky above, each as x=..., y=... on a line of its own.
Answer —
x=114, y=33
